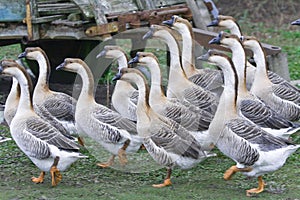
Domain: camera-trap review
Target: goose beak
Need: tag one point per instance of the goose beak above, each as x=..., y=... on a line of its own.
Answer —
x=169, y=22
x=117, y=76
x=22, y=55
x=149, y=34
x=296, y=22
x=61, y=66
x=134, y=60
x=215, y=22
x=216, y=40
x=203, y=57
x=101, y=54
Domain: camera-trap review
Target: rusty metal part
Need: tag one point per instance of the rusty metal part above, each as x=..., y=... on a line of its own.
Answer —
x=125, y=21
x=103, y=29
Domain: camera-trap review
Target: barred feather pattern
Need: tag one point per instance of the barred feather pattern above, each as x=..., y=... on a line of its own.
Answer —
x=209, y=80
x=263, y=115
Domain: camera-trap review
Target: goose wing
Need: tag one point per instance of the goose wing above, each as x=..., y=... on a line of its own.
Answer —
x=108, y=116
x=134, y=97
x=202, y=99
x=276, y=79
x=62, y=107
x=189, y=119
x=263, y=115
x=172, y=141
x=255, y=135
x=210, y=79
x=287, y=94
x=43, y=131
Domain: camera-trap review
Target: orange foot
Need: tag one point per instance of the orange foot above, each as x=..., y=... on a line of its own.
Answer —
x=167, y=182
x=39, y=179
x=259, y=189
x=122, y=157
x=109, y=163
x=55, y=175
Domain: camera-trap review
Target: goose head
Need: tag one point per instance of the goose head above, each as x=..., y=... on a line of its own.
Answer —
x=144, y=58
x=296, y=22
x=32, y=53
x=130, y=75
x=180, y=24
x=72, y=65
x=250, y=42
x=225, y=39
x=12, y=68
x=111, y=51
x=217, y=58
x=223, y=21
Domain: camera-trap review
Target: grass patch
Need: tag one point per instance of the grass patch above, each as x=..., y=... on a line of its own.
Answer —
x=84, y=180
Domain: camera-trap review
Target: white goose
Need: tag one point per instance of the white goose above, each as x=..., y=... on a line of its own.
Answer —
x=192, y=118
x=167, y=142
x=46, y=147
x=209, y=79
x=56, y=107
x=249, y=106
x=255, y=151
x=284, y=100
x=230, y=23
x=178, y=85
x=115, y=133
x=124, y=97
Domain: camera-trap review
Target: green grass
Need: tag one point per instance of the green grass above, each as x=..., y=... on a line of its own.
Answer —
x=84, y=180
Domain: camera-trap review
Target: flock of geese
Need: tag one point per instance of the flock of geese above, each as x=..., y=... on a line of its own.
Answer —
x=247, y=112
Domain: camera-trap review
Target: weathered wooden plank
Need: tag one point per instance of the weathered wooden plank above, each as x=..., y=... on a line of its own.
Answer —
x=58, y=8
x=39, y=20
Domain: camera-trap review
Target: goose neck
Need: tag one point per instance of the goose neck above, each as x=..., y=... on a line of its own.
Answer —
x=143, y=106
x=44, y=72
x=260, y=59
x=156, y=90
x=87, y=90
x=122, y=62
x=188, y=62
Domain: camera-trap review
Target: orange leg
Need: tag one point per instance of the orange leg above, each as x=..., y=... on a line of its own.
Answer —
x=39, y=179
x=56, y=176
x=259, y=189
x=110, y=162
x=122, y=153
x=232, y=170
x=167, y=181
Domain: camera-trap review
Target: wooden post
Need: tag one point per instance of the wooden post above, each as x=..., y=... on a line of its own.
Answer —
x=278, y=63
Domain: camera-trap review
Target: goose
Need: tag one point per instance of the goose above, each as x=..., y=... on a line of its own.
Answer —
x=209, y=79
x=118, y=135
x=178, y=84
x=230, y=23
x=284, y=100
x=195, y=120
x=44, y=145
x=249, y=105
x=168, y=143
x=124, y=97
x=56, y=107
x=255, y=151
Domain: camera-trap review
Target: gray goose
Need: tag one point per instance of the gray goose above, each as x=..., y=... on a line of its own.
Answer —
x=168, y=143
x=281, y=98
x=193, y=119
x=124, y=97
x=45, y=146
x=179, y=86
x=118, y=135
x=230, y=23
x=56, y=107
x=255, y=151
x=249, y=105
x=209, y=79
